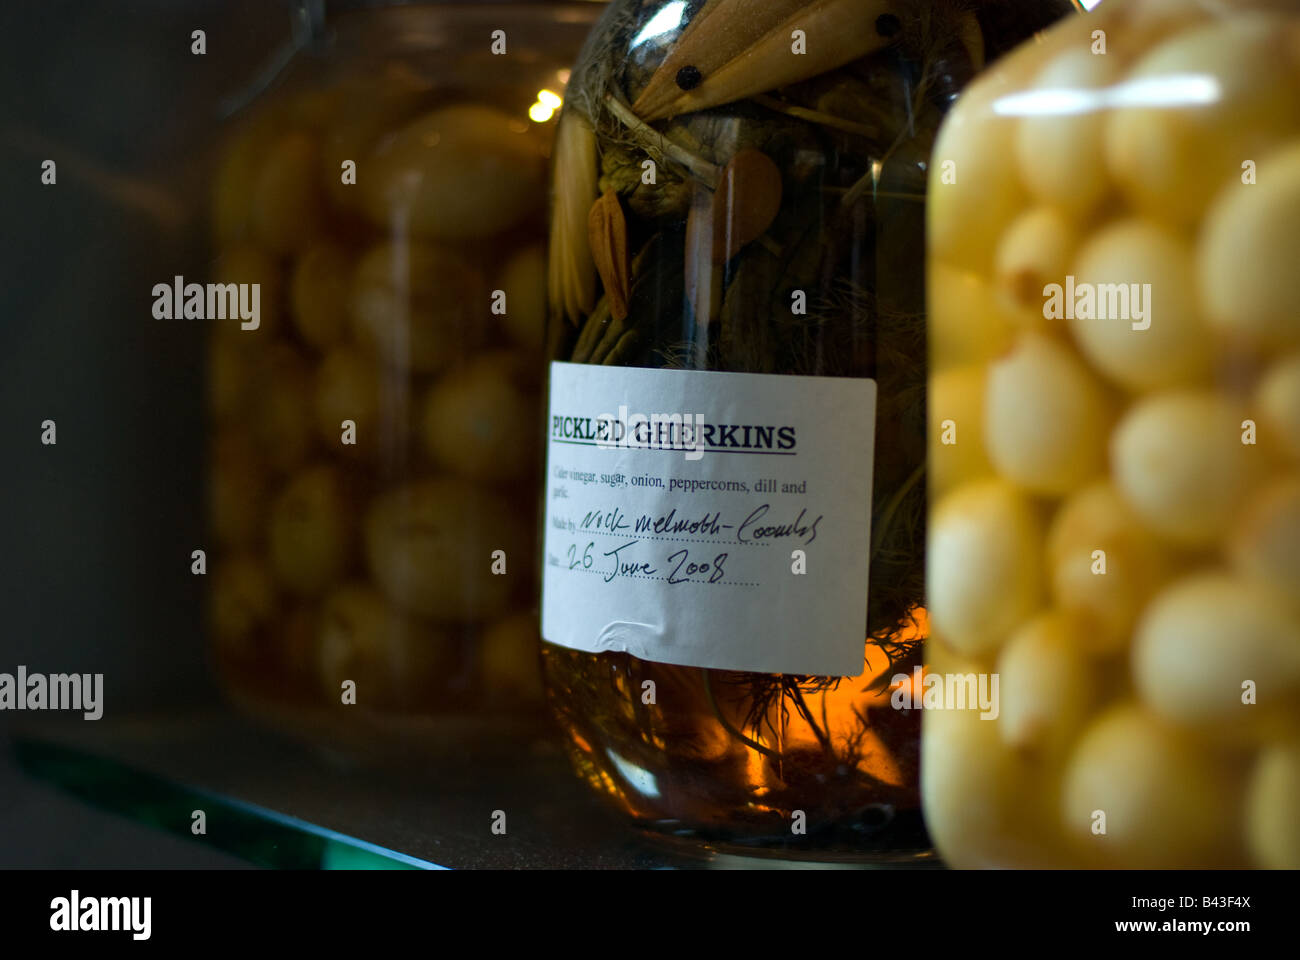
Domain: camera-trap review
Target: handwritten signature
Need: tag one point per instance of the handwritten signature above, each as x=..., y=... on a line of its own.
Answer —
x=749, y=530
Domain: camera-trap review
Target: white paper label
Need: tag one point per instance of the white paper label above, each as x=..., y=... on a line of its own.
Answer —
x=709, y=519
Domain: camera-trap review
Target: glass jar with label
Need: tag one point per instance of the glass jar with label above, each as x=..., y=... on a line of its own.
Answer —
x=374, y=455
x=1115, y=446
x=736, y=467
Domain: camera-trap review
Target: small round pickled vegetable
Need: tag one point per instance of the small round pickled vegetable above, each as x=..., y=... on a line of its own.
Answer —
x=524, y=283
x=236, y=491
x=283, y=422
x=250, y=264
x=347, y=388
x=509, y=654
x=956, y=414
x=1266, y=544
x=1272, y=813
x=311, y=531
x=288, y=211
x=1046, y=684
x=1036, y=250
x=1278, y=400
x=972, y=186
x=366, y=110
x=983, y=573
x=1248, y=252
x=1165, y=802
x=1144, y=329
x=1216, y=650
x=1104, y=565
x=465, y=171
x=393, y=659
x=320, y=294
x=237, y=172
x=1058, y=152
x=242, y=602
x=233, y=186
x=417, y=307
x=430, y=548
x=966, y=324
x=985, y=804
x=1045, y=417
x=478, y=421
x=1171, y=160
x=1178, y=460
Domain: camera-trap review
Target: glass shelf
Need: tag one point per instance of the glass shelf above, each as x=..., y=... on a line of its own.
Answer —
x=274, y=803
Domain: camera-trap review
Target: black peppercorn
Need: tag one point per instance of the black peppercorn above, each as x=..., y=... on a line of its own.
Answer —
x=688, y=77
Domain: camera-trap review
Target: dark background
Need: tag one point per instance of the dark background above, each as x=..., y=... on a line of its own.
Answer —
x=96, y=532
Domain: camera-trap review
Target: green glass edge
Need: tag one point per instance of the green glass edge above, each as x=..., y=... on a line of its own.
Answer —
x=256, y=834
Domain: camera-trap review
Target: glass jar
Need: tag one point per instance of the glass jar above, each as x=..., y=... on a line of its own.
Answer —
x=753, y=214
x=374, y=458
x=1115, y=447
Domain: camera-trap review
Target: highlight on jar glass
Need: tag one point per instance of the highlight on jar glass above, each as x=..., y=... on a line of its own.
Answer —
x=1114, y=531
x=374, y=455
x=737, y=267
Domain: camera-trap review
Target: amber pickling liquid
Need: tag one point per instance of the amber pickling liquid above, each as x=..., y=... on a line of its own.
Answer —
x=722, y=763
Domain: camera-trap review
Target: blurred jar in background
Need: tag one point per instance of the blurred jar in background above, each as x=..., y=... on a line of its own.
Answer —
x=374, y=455
x=1115, y=445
